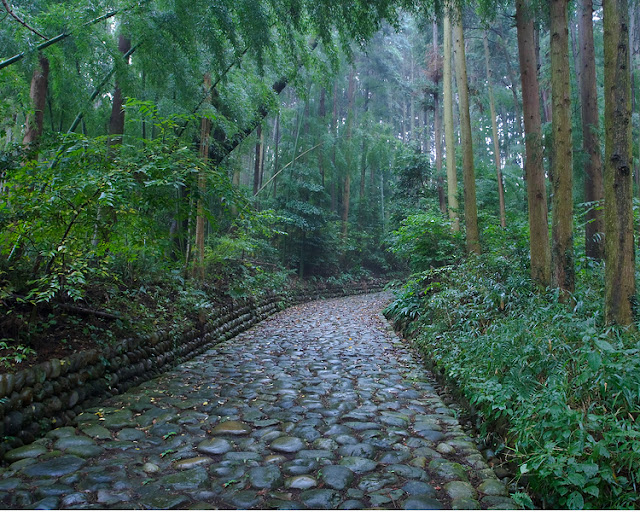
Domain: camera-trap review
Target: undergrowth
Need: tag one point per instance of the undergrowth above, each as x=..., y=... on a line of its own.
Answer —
x=563, y=388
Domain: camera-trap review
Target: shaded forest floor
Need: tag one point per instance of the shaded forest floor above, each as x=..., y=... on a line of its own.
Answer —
x=108, y=312
x=58, y=330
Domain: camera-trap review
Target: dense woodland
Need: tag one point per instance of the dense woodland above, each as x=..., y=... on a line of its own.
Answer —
x=157, y=156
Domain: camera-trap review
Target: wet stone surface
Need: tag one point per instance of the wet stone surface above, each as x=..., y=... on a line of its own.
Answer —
x=318, y=407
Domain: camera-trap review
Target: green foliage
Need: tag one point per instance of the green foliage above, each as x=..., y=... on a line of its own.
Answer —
x=12, y=353
x=426, y=240
x=563, y=389
x=414, y=188
x=244, y=263
x=80, y=210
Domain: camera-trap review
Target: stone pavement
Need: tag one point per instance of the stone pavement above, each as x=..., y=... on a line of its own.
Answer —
x=319, y=407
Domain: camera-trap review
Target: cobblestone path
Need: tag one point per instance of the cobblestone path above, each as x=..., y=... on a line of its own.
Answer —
x=318, y=407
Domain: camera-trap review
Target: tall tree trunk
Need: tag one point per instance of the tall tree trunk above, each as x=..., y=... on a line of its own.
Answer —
x=363, y=163
x=576, y=54
x=116, y=121
x=437, y=127
x=38, y=96
x=205, y=130
x=514, y=86
x=412, y=114
x=470, y=205
x=258, y=161
x=334, y=135
x=562, y=253
x=346, y=195
x=620, y=283
x=276, y=152
x=593, y=191
x=363, y=180
x=322, y=114
x=494, y=129
x=534, y=169
x=116, y=130
x=437, y=118
x=447, y=93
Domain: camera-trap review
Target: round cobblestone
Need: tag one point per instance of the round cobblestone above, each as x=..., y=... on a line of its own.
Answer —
x=321, y=406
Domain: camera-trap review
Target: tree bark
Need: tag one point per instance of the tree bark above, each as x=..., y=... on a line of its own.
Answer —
x=116, y=121
x=322, y=114
x=540, y=252
x=276, y=151
x=205, y=130
x=593, y=191
x=334, y=135
x=562, y=253
x=258, y=161
x=363, y=164
x=412, y=115
x=346, y=194
x=38, y=95
x=447, y=93
x=574, y=47
x=437, y=121
x=494, y=129
x=618, y=187
x=470, y=205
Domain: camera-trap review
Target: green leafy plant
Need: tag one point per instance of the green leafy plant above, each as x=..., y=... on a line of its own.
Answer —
x=562, y=389
x=426, y=240
x=11, y=353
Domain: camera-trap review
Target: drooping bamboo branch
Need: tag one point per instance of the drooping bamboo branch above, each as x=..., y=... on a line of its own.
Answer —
x=211, y=89
x=290, y=163
x=54, y=40
x=223, y=145
x=20, y=20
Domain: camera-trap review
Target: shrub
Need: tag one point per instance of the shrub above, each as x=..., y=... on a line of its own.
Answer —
x=564, y=389
x=426, y=240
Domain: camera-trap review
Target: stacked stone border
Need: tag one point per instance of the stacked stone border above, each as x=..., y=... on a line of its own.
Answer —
x=53, y=393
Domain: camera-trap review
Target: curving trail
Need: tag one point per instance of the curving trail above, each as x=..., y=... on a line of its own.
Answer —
x=319, y=407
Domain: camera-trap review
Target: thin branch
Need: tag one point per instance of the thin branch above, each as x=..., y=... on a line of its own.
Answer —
x=22, y=22
x=54, y=40
x=276, y=174
x=47, y=269
x=64, y=35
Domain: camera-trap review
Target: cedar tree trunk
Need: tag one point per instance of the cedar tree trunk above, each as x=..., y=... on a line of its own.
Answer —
x=593, y=191
x=534, y=169
x=562, y=254
x=618, y=187
x=470, y=205
x=38, y=95
x=447, y=93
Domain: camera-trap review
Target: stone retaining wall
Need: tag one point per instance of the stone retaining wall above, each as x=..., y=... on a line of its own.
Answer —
x=53, y=393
